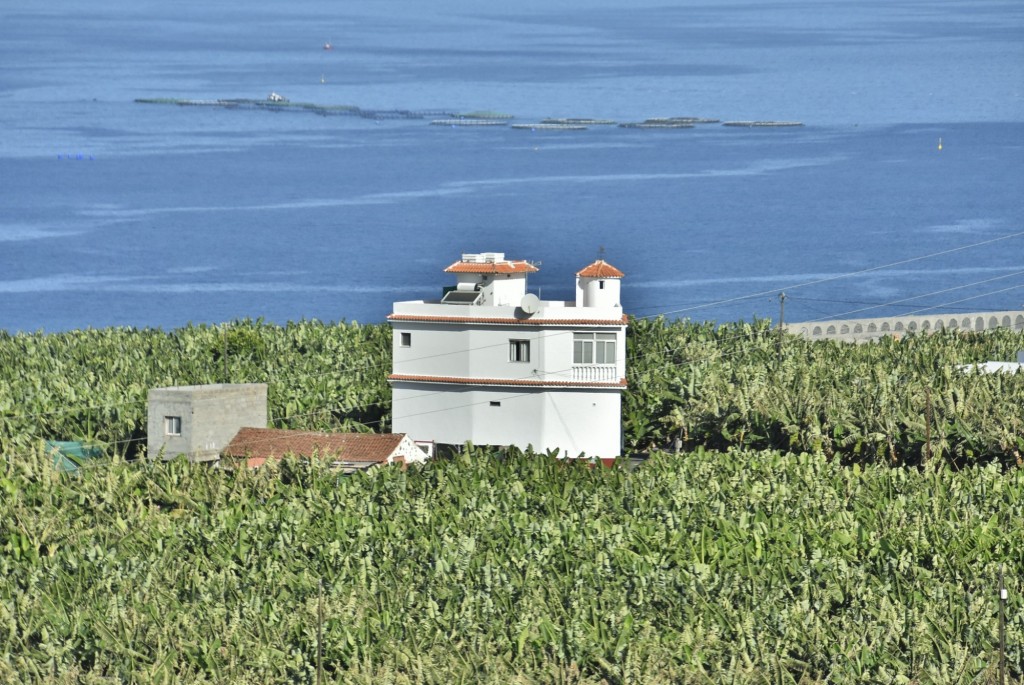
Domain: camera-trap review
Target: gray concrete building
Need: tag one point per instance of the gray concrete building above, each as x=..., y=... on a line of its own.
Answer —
x=200, y=420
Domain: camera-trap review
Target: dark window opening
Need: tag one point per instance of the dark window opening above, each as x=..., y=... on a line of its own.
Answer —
x=519, y=350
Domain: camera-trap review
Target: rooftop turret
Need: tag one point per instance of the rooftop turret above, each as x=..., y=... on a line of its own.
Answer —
x=598, y=285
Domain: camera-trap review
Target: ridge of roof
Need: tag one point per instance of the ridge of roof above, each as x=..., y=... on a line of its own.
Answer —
x=599, y=269
x=503, y=267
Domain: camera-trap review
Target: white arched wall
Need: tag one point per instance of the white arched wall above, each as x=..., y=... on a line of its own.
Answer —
x=866, y=329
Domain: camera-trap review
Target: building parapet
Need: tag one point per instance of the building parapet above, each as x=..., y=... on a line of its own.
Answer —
x=548, y=314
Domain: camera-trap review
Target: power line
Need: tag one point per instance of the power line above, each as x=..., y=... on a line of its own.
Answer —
x=364, y=365
x=843, y=315
x=514, y=396
x=966, y=299
x=367, y=365
x=323, y=409
x=847, y=274
x=871, y=304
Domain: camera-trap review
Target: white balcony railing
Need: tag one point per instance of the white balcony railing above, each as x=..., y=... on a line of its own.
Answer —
x=592, y=373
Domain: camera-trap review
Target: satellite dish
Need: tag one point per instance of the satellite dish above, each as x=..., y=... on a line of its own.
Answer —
x=530, y=303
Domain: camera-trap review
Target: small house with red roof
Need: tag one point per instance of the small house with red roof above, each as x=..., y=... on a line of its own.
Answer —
x=348, y=451
x=491, y=363
x=227, y=422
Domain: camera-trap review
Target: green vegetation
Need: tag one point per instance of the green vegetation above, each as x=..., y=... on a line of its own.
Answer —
x=737, y=567
x=779, y=547
x=896, y=401
x=892, y=402
x=92, y=384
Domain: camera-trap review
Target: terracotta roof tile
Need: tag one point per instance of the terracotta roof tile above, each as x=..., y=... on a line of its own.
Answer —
x=519, y=382
x=511, y=321
x=600, y=269
x=505, y=267
x=256, y=445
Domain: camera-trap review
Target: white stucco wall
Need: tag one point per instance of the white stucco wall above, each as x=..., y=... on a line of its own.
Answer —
x=408, y=451
x=573, y=420
x=470, y=344
x=591, y=293
x=855, y=330
x=505, y=289
x=482, y=350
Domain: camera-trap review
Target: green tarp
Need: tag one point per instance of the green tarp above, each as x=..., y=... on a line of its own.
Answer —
x=70, y=455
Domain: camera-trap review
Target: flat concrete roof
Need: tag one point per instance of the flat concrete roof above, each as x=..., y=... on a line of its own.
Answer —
x=208, y=388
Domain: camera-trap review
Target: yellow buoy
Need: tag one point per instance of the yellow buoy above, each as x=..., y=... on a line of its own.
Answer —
x=940, y=143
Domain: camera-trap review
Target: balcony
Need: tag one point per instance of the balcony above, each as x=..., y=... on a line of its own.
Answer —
x=595, y=373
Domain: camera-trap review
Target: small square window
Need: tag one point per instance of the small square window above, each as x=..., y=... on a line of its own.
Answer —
x=406, y=339
x=495, y=404
x=172, y=425
x=519, y=350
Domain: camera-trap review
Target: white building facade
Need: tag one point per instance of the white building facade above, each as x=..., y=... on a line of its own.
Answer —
x=491, y=364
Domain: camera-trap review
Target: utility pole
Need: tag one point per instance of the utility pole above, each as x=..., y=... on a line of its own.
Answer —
x=928, y=424
x=224, y=354
x=320, y=636
x=782, y=321
x=1002, y=628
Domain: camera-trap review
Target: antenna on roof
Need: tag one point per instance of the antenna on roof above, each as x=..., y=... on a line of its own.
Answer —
x=600, y=252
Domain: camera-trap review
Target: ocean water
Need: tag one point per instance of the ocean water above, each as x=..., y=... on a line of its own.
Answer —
x=121, y=213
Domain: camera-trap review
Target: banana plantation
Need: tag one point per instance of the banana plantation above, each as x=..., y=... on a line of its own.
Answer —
x=743, y=566
x=91, y=384
x=835, y=513
x=894, y=401
x=890, y=402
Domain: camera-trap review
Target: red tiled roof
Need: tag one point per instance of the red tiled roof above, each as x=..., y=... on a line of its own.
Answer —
x=256, y=445
x=511, y=321
x=505, y=267
x=524, y=382
x=600, y=269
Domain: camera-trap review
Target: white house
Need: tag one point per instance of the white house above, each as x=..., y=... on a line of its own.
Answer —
x=492, y=364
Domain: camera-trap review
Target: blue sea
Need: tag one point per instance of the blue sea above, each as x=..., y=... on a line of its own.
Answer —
x=121, y=213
